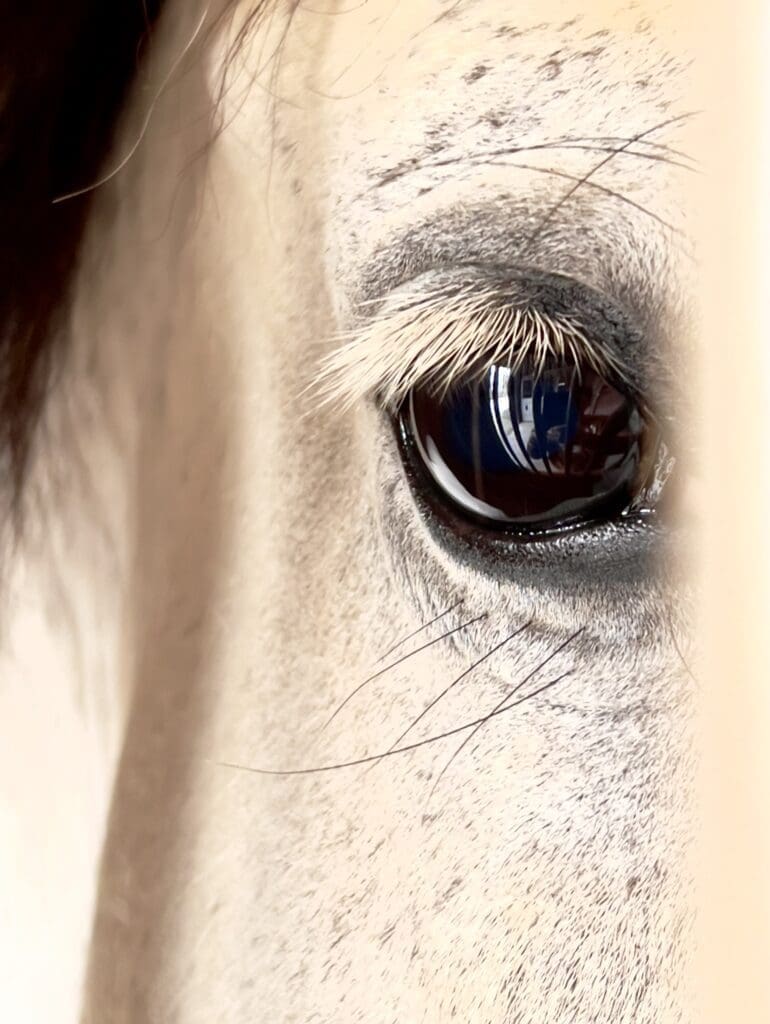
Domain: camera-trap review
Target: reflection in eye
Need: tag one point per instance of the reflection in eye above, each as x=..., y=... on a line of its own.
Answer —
x=534, y=449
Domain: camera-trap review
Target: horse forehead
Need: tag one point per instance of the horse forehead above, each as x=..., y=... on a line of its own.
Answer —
x=398, y=112
x=387, y=76
x=391, y=82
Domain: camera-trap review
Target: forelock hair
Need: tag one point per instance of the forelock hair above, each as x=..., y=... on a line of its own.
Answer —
x=65, y=71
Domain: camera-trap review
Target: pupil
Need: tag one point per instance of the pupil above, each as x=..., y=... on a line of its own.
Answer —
x=537, y=450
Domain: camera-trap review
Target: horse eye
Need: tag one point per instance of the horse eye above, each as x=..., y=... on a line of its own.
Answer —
x=533, y=450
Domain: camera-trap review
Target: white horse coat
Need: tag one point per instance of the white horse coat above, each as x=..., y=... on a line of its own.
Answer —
x=224, y=560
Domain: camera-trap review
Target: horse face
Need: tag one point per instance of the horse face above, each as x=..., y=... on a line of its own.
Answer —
x=295, y=600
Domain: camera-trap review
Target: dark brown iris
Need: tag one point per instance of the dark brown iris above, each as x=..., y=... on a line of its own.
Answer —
x=533, y=450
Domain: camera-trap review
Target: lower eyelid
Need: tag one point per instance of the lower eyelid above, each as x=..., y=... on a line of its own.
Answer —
x=608, y=579
x=630, y=548
x=618, y=577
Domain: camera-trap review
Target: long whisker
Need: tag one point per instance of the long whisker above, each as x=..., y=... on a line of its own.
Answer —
x=493, y=714
x=654, y=157
x=459, y=679
x=602, y=163
x=588, y=145
x=566, y=142
x=370, y=758
x=503, y=703
x=592, y=184
x=419, y=630
x=399, y=661
x=649, y=143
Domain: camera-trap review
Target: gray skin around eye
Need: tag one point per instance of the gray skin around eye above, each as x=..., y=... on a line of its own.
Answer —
x=620, y=579
x=584, y=264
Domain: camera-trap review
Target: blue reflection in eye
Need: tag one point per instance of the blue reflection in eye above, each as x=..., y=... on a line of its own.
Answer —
x=470, y=429
x=555, y=417
x=533, y=447
x=512, y=420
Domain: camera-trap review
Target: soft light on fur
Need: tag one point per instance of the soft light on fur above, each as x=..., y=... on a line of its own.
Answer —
x=232, y=573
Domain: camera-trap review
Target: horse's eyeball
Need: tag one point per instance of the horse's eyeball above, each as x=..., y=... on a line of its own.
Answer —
x=532, y=450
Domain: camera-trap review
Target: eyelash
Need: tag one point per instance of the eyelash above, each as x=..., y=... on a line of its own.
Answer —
x=451, y=323
x=435, y=339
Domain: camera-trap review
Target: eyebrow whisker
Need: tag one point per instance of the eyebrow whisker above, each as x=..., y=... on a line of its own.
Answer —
x=565, y=142
x=602, y=163
x=649, y=143
x=654, y=157
x=398, y=661
x=592, y=184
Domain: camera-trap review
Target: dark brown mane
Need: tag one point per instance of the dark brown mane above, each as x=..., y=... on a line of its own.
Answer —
x=64, y=72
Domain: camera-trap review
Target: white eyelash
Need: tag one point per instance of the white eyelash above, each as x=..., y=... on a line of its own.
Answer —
x=438, y=339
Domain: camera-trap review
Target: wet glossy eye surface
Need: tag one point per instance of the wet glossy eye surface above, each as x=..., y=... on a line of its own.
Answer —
x=533, y=451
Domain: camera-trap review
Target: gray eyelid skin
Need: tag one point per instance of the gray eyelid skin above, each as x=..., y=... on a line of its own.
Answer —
x=629, y=276
x=637, y=265
x=551, y=294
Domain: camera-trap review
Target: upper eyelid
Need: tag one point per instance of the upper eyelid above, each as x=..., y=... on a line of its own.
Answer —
x=440, y=326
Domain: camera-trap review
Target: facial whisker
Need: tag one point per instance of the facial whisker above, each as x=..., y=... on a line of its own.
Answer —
x=399, y=661
x=591, y=184
x=597, y=167
x=450, y=686
x=371, y=758
x=661, y=158
x=416, y=632
x=503, y=702
x=649, y=143
x=566, y=142
x=686, y=163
